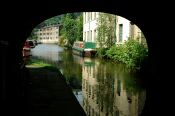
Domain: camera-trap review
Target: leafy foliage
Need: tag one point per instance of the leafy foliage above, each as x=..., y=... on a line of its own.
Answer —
x=106, y=30
x=62, y=41
x=132, y=53
x=106, y=33
x=79, y=23
x=101, y=52
x=72, y=28
x=69, y=29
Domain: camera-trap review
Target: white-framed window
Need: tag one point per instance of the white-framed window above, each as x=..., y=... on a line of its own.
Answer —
x=120, y=32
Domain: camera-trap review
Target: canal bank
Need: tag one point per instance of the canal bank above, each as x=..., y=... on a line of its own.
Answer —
x=49, y=93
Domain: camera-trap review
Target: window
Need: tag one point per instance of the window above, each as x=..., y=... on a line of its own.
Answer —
x=120, y=32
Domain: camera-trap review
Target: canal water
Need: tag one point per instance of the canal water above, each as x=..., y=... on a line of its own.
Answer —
x=103, y=88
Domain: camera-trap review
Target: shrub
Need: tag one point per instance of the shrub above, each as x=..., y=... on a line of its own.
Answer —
x=132, y=53
x=62, y=41
x=101, y=52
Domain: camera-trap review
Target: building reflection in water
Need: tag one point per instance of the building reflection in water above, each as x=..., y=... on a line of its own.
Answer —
x=108, y=90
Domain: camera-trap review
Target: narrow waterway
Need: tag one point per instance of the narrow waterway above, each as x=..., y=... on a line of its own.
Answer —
x=102, y=88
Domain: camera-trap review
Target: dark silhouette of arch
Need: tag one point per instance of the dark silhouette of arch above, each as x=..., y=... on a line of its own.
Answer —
x=18, y=22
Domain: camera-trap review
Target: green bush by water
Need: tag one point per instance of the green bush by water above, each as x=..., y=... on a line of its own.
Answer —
x=132, y=53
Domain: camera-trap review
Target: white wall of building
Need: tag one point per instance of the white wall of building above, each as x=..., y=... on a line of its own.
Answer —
x=89, y=26
x=48, y=34
x=126, y=28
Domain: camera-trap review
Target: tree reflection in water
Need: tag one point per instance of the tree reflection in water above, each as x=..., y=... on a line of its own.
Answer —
x=116, y=90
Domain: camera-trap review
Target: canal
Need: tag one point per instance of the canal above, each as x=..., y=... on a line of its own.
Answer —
x=103, y=88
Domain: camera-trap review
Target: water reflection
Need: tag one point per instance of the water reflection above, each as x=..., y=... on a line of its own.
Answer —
x=101, y=87
x=109, y=90
x=47, y=51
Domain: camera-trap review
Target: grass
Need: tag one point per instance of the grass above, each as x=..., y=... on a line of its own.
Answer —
x=37, y=63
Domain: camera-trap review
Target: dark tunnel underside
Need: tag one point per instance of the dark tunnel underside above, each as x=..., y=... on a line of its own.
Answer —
x=23, y=23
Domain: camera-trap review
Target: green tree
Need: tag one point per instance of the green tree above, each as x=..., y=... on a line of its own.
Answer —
x=106, y=32
x=69, y=29
x=72, y=28
x=80, y=28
